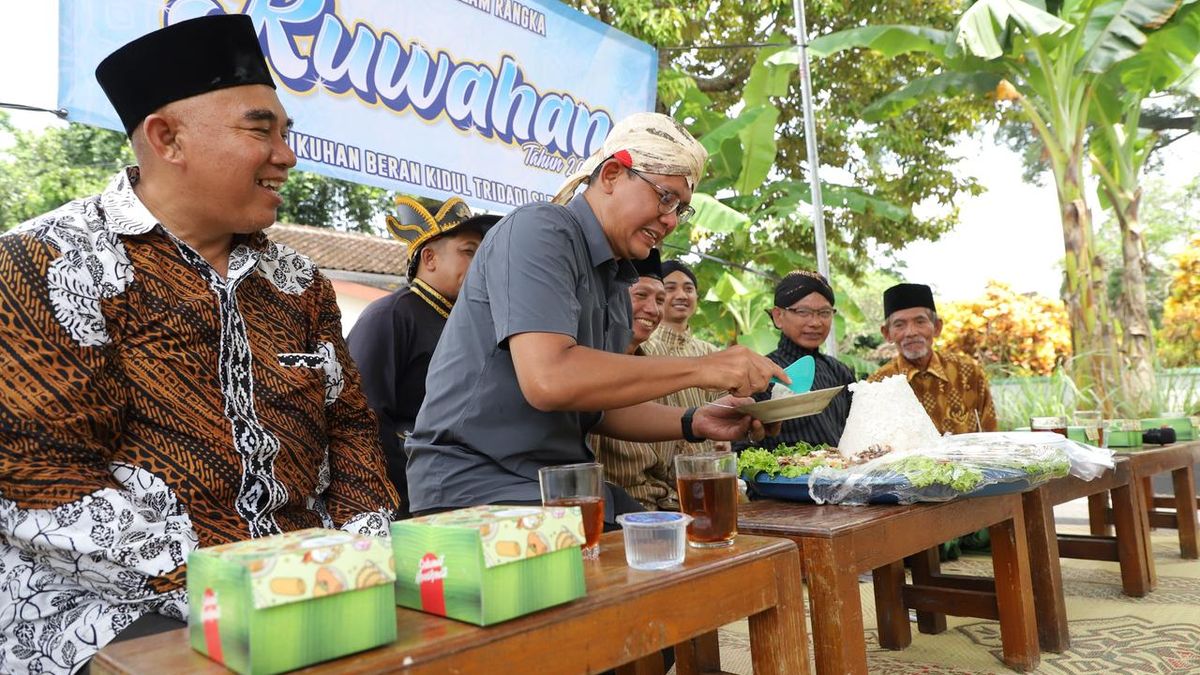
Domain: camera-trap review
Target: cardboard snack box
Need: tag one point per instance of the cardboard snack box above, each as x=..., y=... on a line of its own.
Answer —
x=488, y=564
x=279, y=603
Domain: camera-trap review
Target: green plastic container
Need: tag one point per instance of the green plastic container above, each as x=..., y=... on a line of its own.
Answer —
x=1078, y=433
x=279, y=603
x=1125, y=434
x=1184, y=431
x=488, y=564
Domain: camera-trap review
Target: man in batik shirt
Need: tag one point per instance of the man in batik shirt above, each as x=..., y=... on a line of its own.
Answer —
x=952, y=387
x=171, y=378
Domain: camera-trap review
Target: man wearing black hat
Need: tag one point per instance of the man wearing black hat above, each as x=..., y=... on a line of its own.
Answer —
x=803, y=313
x=394, y=338
x=172, y=378
x=674, y=338
x=644, y=470
x=953, y=388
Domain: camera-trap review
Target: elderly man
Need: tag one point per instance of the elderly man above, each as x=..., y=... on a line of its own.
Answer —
x=643, y=469
x=394, y=338
x=953, y=388
x=172, y=379
x=674, y=338
x=803, y=313
x=532, y=359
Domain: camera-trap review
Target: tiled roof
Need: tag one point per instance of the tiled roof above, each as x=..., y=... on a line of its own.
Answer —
x=348, y=251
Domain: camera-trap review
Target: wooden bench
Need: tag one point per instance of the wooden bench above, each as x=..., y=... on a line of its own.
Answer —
x=624, y=622
x=1177, y=511
x=1129, y=548
x=837, y=543
x=1180, y=509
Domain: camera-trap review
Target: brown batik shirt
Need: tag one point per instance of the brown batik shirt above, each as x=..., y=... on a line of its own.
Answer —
x=953, y=388
x=150, y=406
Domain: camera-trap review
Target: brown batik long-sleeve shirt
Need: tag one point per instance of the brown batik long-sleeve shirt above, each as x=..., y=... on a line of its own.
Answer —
x=148, y=406
x=953, y=389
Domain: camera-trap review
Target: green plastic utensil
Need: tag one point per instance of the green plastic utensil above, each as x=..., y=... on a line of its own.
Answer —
x=802, y=372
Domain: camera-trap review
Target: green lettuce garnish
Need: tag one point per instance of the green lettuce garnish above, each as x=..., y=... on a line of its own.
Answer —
x=754, y=461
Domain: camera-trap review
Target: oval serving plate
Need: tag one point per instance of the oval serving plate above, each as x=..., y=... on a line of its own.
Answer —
x=883, y=490
x=791, y=407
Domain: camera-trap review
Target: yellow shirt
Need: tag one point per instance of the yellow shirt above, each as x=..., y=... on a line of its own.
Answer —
x=953, y=389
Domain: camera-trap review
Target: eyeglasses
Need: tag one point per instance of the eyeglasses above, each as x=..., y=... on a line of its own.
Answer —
x=668, y=201
x=805, y=313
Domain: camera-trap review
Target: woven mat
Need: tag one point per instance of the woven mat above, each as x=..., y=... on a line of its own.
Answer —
x=1110, y=633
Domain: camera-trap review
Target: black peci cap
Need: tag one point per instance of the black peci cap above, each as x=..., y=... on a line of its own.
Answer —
x=180, y=61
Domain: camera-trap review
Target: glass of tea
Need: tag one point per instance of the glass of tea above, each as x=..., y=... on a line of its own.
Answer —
x=1056, y=424
x=579, y=485
x=708, y=492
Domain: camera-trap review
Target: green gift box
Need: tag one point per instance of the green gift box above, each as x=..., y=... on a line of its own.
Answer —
x=1125, y=434
x=488, y=564
x=279, y=603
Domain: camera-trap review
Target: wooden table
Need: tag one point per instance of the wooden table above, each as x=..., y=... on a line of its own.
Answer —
x=626, y=619
x=1177, y=511
x=1130, y=546
x=837, y=543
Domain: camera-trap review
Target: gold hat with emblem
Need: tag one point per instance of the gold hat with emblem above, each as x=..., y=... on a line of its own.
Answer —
x=414, y=225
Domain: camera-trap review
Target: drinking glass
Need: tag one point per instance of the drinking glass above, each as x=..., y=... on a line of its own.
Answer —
x=708, y=491
x=579, y=485
x=1057, y=425
x=1093, y=426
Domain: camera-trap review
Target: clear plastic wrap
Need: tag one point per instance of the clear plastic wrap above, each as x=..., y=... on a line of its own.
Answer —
x=967, y=464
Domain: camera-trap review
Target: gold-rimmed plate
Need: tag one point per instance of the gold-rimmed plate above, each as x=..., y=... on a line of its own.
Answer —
x=791, y=407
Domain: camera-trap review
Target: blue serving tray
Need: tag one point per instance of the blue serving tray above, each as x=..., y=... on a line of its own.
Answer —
x=797, y=489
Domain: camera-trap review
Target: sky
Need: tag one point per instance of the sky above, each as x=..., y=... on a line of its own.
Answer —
x=1009, y=233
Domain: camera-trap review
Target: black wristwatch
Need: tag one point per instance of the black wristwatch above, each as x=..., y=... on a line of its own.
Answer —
x=686, y=422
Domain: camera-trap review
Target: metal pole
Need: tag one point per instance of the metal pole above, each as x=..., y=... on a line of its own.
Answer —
x=810, y=138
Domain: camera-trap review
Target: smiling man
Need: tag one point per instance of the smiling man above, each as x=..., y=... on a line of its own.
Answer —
x=533, y=356
x=674, y=338
x=953, y=388
x=644, y=470
x=171, y=378
x=803, y=313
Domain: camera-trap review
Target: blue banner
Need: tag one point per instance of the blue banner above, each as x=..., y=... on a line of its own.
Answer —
x=494, y=100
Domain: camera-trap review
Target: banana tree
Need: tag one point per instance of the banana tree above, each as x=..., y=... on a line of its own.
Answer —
x=1049, y=58
x=1119, y=150
x=744, y=210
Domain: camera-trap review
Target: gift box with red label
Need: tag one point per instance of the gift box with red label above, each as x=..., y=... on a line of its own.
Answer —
x=488, y=564
x=278, y=603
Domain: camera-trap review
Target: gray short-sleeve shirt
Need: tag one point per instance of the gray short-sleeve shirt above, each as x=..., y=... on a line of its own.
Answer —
x=544, y=268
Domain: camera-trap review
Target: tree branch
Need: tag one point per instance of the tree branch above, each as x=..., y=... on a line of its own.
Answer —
x=1156, y=122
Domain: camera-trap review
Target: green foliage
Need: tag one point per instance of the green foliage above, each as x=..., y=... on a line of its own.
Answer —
x=728, y=97
x=1056, y=57
x=313, y=199
x=40, y=172
x=1170, y=217
x=1017, y=399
